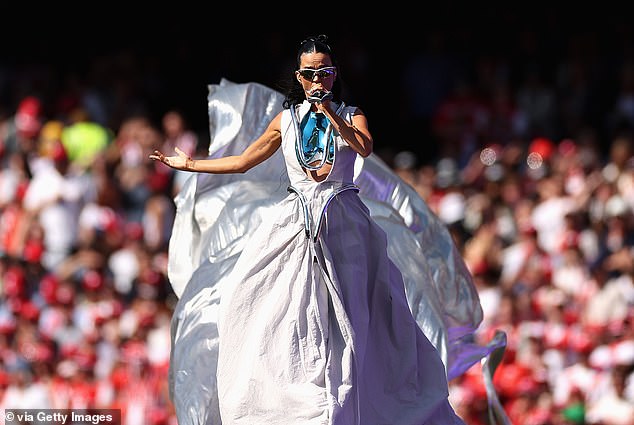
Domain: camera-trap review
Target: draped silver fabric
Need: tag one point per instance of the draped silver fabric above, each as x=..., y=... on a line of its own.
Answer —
x=217, y=216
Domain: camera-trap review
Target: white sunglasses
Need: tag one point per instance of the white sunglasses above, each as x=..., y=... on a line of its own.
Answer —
x=309, y=74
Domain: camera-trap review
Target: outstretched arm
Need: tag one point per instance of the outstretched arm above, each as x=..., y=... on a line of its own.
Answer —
x=260, y=150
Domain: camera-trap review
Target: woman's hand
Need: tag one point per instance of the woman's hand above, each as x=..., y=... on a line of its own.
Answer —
x=325, y=106
x=182, y=161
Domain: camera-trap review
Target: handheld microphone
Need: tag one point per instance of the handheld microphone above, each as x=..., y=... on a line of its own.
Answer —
x=319, y=96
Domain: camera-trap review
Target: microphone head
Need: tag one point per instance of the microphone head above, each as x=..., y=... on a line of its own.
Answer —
x=319, y=96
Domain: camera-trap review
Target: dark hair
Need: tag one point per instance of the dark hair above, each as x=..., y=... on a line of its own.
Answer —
x=314, y=44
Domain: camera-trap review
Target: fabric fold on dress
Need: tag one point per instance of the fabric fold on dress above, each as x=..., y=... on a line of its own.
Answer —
x=218, y=218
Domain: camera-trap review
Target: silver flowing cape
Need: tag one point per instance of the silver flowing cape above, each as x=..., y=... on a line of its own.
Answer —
x=216, y=214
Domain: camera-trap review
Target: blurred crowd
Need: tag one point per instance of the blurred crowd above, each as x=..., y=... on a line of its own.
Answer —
x=535, y=178
x=537, y=191
x=547, y=231
x=85, y=220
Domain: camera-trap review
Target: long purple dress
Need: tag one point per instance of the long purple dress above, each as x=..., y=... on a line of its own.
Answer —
x=339, y=302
